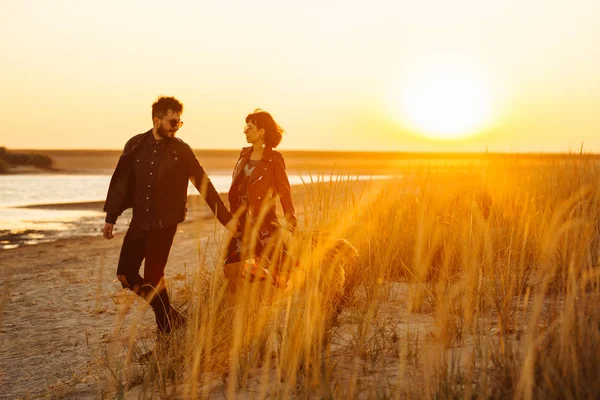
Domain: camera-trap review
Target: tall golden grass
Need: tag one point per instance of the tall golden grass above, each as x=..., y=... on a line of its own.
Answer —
x=472, y=281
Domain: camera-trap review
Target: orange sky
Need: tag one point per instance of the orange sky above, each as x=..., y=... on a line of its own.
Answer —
x=77, y=74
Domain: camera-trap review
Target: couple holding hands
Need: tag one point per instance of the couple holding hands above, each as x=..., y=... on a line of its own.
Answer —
x=152, y=178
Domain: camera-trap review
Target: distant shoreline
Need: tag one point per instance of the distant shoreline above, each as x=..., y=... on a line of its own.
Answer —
x=80, y=205
x=342, y=154
x=28, y=170
x=95, y=162
x=84, y=205
x=92, y=204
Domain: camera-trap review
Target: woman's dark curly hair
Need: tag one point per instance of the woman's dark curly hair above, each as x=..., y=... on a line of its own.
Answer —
x=264, y=120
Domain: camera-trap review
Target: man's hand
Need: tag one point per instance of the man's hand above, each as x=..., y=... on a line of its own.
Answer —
x=107, y=231
x=233, y=226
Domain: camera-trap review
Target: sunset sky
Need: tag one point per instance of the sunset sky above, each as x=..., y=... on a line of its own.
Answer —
x=369, y=75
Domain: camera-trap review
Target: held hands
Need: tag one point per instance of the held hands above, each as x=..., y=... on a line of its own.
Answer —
x=252, y=270
x=107, y=231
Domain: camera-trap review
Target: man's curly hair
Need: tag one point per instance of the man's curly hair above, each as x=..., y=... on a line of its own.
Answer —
x=163, y=104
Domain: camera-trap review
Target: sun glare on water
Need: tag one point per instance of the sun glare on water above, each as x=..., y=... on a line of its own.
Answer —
x=444, y=102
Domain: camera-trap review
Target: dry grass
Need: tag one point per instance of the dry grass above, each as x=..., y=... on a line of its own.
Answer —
x=476, y=281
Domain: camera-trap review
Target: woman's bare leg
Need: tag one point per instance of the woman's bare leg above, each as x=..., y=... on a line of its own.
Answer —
x=233, y=273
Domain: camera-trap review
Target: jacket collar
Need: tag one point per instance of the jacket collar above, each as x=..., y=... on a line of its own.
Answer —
x=139, y=139
x=245, y=156
x=268, y=154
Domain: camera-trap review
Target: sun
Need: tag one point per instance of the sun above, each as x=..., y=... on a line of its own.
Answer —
x=444, y=102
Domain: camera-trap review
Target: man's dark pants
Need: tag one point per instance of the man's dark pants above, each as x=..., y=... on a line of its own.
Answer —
x=153, y=246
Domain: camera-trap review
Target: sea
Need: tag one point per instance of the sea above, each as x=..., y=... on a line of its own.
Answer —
x=38, y=208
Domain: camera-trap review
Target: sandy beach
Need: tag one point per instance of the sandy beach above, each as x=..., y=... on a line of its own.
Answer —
x=59, y=309
x=58, y=300
x=60, y=305
x=67, y=332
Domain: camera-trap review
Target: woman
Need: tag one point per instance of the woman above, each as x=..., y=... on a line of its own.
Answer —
x=259, y=178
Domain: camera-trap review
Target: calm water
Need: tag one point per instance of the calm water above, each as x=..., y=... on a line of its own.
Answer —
x=34, y=225
x=20, y=190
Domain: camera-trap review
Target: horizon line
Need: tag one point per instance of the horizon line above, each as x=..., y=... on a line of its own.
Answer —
x=571, y=152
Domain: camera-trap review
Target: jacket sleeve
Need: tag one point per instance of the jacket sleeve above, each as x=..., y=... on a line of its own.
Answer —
x=111, y=217
x=114, y=193
x=282, y=186
x=201, y=181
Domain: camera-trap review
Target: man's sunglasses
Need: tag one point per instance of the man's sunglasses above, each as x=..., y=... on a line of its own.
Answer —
x=175, y=123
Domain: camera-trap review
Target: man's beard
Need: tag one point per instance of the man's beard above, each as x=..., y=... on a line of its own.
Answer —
x=163, y=133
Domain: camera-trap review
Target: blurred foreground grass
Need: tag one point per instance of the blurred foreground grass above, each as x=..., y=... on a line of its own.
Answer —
x=473, y=282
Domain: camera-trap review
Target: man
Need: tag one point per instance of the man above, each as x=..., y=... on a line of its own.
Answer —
x=152, y=177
